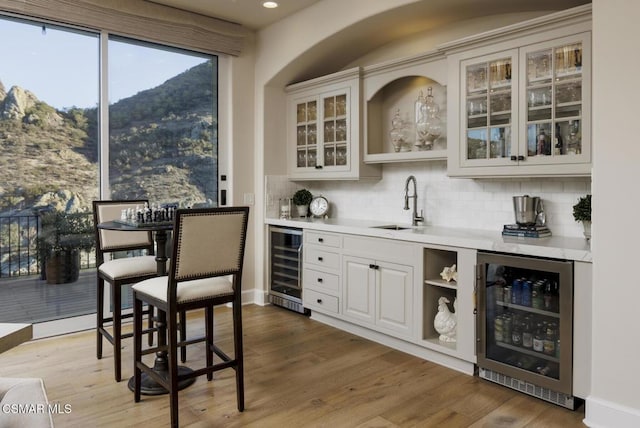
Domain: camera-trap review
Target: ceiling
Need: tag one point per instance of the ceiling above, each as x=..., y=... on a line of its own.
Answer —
x=249, y=13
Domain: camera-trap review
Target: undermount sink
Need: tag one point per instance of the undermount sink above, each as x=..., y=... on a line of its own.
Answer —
x=392, y=227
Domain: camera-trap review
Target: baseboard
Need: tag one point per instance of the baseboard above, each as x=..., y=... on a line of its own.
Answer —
x=601, y=413
x=255, y=296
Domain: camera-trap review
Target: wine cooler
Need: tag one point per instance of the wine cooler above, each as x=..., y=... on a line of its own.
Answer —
x=526, y=325
x=285, y=273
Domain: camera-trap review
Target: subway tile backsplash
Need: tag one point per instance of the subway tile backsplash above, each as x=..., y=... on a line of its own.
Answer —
x=447, y=202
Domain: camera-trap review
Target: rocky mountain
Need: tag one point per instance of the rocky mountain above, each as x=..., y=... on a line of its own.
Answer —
x=160, y=146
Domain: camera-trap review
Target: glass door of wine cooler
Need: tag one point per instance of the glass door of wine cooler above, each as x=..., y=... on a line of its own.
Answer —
x=526, y=321
x=285, y=285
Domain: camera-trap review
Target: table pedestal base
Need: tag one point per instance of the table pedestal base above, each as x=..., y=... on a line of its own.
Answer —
x=148, y=386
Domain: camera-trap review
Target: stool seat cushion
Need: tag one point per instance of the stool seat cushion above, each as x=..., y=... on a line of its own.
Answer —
x=187, y=291
x=129, y=267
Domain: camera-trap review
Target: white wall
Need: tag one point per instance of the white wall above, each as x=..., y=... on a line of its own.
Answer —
x=615, y=398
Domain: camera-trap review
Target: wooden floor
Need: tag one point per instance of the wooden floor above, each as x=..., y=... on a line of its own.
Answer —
x=299, y=373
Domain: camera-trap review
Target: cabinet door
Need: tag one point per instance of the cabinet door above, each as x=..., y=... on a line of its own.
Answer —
x=359, y=294
x=305, y=130
x=554, y=128
x=323, y=134
x=488, y=109
x=394, y=297
x=336, y=135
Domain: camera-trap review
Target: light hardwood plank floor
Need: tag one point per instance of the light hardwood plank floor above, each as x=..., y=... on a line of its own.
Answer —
x=299, y=373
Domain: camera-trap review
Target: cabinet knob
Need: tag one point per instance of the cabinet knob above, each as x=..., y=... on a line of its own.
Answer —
x=320, y=259
x=319, y=301
x=372, y=266
x=320, y=240
x=318, y=166
x=514, y=158
x=319, y=279
x=520, y=158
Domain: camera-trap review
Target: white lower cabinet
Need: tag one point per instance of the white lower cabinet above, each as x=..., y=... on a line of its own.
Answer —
x=388, y=290
x=321, y=271
x=378, y=293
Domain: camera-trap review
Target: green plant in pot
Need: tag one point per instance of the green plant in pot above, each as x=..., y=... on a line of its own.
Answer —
x=301, y=199
x=61, y=239
x=582, y=212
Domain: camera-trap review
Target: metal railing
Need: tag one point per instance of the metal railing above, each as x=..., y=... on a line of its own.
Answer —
x=19, y=254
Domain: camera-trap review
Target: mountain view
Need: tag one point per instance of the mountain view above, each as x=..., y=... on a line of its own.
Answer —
x=163, y=146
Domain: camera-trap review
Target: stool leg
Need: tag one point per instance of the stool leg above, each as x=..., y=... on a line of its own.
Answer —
x=209, y=338
x=150, y=316
x=117, y=329
x=183, y=335
x=99, y=316
x=237, y=340
x=137, y=347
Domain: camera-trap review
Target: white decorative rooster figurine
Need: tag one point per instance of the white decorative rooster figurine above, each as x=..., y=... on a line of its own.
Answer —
x=445, y=321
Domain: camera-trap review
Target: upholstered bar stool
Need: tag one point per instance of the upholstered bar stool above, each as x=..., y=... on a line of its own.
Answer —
x=206, y=271
x=119, y=272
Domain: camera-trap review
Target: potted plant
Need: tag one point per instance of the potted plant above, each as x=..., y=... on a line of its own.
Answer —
x=62, y=236
x=301, y=199
x=582, y=212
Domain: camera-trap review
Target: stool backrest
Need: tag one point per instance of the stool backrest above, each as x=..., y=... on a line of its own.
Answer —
x=116, y=240
x=208, y=242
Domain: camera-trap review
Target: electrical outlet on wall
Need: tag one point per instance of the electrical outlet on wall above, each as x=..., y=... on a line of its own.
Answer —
x=269, y=200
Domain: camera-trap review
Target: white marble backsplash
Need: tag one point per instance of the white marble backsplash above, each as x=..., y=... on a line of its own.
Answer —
x=447, y=202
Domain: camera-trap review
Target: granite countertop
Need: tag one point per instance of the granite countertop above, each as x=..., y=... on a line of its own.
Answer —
x=557, y=247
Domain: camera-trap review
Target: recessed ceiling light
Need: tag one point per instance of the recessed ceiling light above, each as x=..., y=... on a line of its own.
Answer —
x=270, y=4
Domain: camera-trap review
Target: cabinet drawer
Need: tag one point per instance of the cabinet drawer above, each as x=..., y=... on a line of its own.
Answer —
x=323, y=239
x=320, y=257
x=321, y=280
x=320, y=301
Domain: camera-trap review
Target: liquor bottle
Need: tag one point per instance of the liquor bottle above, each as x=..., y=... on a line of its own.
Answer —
x=516, y=332
x=527, y=332
x=550, y=340
x=538, y=338
x=559, y=145
x=542, y=141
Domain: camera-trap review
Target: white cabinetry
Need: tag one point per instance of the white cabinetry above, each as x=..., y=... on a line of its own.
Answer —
x=378, y=293
x=321, y=271
x=521, y=105
x=323, y=129
x=394, y=87
x=378, y=287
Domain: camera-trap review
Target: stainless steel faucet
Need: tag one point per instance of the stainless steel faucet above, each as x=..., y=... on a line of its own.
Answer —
x=416, y=218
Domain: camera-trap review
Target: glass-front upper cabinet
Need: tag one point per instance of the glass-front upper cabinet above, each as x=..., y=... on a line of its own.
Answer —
x=323, y=129
x=526, y=110
x=490, y=114
x=556, y=94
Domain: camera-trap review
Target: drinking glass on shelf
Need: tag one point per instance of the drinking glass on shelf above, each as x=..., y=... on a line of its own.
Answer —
x=329, y=129
x=341, y=130
x=312, y=158
x=302, y=135
x=301, y=113
x=302, y=159
x=329, y=107
x=311, y=134
x=341, y=105
x=311, y=111
x=341, y=156
x=329, y=156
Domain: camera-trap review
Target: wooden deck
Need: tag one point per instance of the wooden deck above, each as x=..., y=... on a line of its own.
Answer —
x=31, y=300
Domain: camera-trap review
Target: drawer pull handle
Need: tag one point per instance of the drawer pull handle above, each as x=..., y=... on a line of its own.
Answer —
x=372, y=266
x=320, y=259
x=319, y=279
x=319, y=300
x=320, y=240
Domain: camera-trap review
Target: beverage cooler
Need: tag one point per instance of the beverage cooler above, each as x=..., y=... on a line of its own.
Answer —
x=526, y=325
x=285, y=268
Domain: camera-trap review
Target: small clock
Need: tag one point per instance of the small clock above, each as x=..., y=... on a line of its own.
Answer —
x=319, y=206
